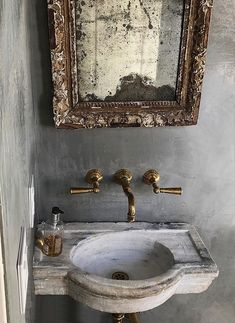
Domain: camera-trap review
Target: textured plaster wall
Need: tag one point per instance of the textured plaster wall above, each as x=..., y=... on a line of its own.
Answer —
x=201, y=159
x=16, y=144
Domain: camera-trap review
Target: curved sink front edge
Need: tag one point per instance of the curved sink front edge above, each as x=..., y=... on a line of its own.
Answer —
x=131, y=296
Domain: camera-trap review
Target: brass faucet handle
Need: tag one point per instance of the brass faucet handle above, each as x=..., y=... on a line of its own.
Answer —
x=81, y=190
x=168, y=190
x=94, y=177
x=151, y=176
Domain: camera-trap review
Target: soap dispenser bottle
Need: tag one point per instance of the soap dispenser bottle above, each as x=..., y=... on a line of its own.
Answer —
x=50, y=234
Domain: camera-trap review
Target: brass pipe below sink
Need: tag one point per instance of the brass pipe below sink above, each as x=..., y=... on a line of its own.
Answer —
x=133, y=318
x=118, y=318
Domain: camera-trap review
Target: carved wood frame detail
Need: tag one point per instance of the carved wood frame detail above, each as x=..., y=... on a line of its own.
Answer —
x=69, y=113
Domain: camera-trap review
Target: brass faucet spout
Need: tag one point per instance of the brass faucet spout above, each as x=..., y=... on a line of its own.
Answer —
x=131, y=203
x=123, y=177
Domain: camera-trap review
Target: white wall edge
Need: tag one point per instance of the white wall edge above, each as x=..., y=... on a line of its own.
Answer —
x=3, y=309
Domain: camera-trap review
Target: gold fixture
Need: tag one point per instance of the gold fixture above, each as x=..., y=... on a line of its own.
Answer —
x=133, y=318
x=94, y=177
x=152, y=177
x=118, y=318
x=123, y=177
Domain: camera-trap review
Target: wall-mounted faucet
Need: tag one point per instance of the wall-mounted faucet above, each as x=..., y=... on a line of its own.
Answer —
x=94, y=177
x=123, y=177
x=152, y=177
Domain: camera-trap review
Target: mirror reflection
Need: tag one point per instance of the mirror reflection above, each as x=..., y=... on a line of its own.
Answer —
x=128, y=50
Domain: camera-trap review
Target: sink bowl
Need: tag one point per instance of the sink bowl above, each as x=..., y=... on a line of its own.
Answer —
x=137, y=254
x=142, y=265
x=126, y=268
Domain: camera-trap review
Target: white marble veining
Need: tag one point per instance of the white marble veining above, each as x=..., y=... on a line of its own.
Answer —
x=160, y=259
x=136, y=253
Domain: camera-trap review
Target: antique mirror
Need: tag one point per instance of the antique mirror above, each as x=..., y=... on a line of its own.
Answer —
x=127, y=62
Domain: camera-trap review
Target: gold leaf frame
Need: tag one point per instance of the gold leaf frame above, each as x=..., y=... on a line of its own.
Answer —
x=69, y=113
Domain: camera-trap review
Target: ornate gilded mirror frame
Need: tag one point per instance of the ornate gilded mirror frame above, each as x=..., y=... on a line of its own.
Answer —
x=69, y=113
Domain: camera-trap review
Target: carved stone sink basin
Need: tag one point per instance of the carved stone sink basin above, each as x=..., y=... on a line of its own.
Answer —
x=136, y=253
x=150, y=263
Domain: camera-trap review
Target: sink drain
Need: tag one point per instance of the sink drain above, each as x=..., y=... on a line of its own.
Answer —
x=120, y=275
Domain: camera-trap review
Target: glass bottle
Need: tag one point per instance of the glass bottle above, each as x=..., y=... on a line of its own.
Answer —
x=50, y=234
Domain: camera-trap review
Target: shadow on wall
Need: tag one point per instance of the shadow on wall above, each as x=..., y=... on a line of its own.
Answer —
x=64, y=309
x=40, y=63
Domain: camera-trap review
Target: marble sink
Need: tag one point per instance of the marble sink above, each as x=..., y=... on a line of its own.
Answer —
x=125, y=268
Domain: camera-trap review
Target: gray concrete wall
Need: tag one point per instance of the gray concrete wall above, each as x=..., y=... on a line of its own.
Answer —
x=201, y=159
x=17, y=143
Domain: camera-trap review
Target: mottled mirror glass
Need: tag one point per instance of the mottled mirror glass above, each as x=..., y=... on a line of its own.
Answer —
x=128, y=50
